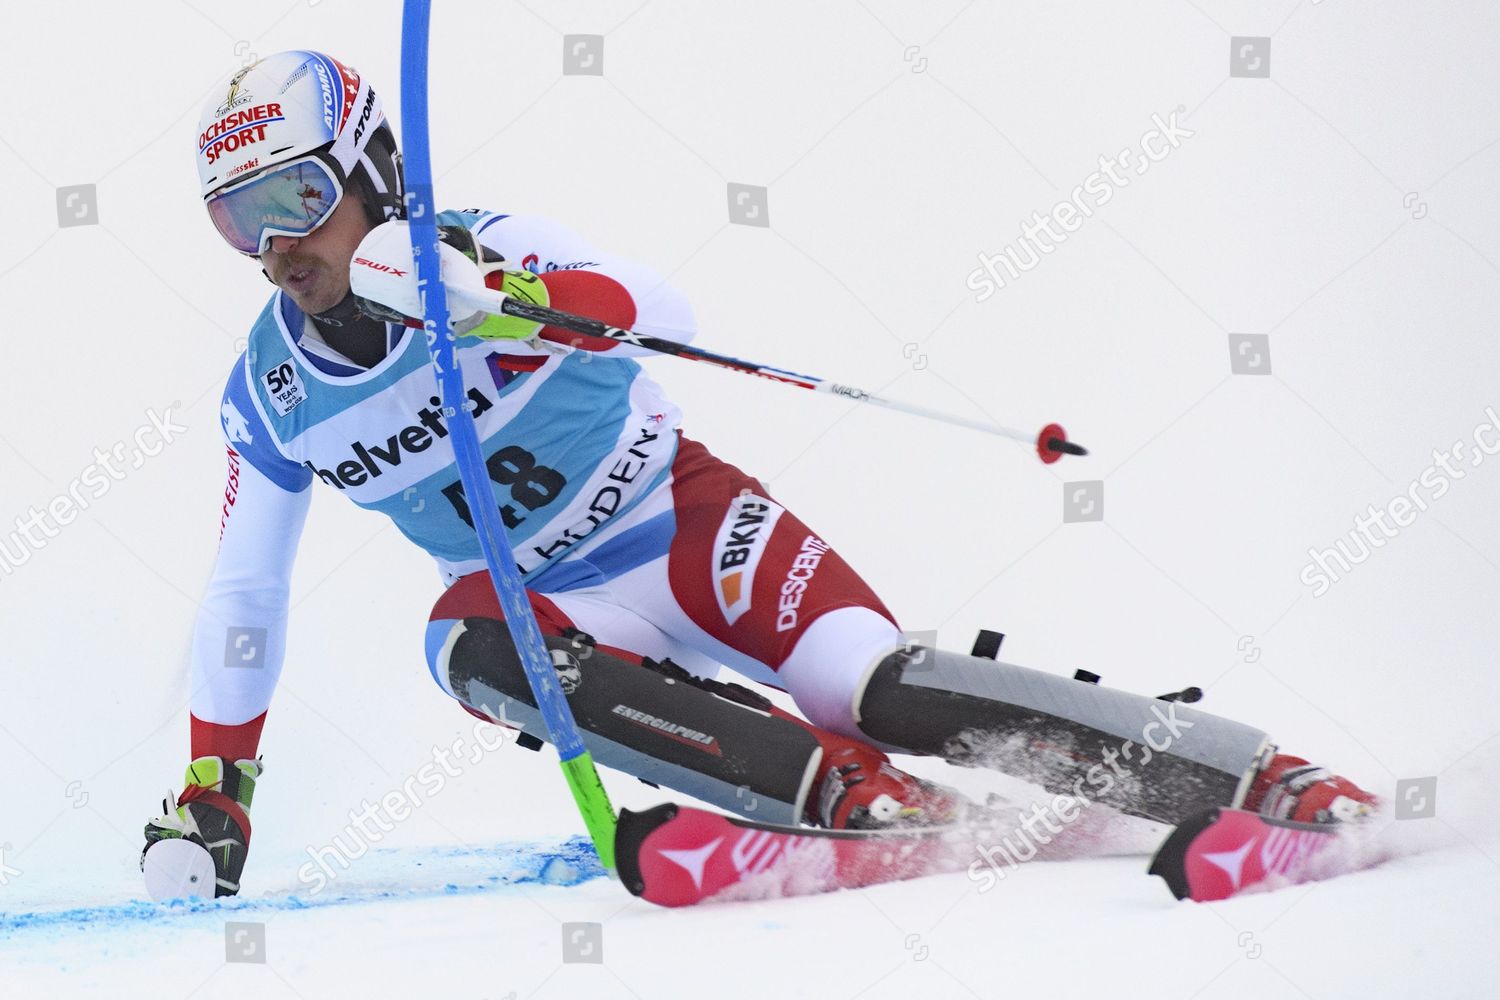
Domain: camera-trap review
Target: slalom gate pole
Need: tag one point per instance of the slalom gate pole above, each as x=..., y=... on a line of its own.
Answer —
x=577, y=764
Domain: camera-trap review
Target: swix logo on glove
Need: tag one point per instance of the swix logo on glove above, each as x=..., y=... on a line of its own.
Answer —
x=737, y=551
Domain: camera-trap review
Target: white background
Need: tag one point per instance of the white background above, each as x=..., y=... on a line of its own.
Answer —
x=1345, y=206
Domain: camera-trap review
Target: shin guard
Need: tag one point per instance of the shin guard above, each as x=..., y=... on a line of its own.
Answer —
x=725, y=748
x=1143, y=756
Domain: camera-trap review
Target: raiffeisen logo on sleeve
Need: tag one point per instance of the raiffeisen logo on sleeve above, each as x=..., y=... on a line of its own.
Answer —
x=737, y=550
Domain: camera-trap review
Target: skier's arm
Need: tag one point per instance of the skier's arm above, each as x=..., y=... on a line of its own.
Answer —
x=239, y=638
x=582, y=279
x=238, y=643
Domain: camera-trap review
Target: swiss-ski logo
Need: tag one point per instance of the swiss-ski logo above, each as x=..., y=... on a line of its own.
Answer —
x=236, y=427
x=738, y=549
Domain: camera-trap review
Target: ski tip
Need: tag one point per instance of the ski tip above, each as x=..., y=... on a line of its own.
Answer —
x=631, y=831
x=1170, y=861
x=1052, y=444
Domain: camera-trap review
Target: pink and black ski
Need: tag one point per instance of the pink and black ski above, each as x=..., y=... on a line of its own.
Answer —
x=1228, y=851
x=676, y=856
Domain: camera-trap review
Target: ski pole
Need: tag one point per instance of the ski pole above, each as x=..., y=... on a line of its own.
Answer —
x=577, y=764
x=1051, y=443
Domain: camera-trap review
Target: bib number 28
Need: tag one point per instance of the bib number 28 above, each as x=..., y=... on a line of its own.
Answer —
x=532, y=486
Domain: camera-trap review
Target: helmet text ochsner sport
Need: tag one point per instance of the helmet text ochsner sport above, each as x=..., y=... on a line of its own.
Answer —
x=240, y=128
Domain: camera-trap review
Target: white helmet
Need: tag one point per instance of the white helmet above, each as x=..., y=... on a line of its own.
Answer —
x=281, y=141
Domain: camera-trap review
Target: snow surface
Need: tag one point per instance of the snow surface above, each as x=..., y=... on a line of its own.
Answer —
x=1346, y=207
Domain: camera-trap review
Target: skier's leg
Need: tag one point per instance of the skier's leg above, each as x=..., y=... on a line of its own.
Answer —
x=1146, y=756
x=645, y=715
x=755, y=588
x=1142, y=755
x=736, y=577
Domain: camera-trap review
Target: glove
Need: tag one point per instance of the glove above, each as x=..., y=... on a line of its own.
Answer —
x=521, y=285
x=198, y=847
x=384, y=281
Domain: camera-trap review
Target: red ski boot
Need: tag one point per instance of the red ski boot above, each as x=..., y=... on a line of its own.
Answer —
x=859, y=789
x=1291, y=788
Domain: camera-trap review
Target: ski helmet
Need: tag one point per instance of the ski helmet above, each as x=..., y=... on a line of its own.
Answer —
x=282, y=140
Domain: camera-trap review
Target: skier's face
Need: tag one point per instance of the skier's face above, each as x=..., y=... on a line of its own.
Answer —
x=314, y=269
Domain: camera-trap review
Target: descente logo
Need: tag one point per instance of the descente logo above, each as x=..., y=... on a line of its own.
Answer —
x=371, y=460
x=797, y=579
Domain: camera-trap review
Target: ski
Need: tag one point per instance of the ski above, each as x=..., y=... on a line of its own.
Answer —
x=1224, y=852
x=676, y=855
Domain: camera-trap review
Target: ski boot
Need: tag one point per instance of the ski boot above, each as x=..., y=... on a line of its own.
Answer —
x=859, y=789
x=1292, y=789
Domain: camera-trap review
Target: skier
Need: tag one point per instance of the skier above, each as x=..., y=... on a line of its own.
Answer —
x=649, y=562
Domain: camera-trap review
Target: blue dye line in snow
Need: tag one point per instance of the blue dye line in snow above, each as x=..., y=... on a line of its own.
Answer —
x=572, y=862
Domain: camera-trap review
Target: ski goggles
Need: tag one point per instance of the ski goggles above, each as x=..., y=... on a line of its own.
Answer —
x=293, y=199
